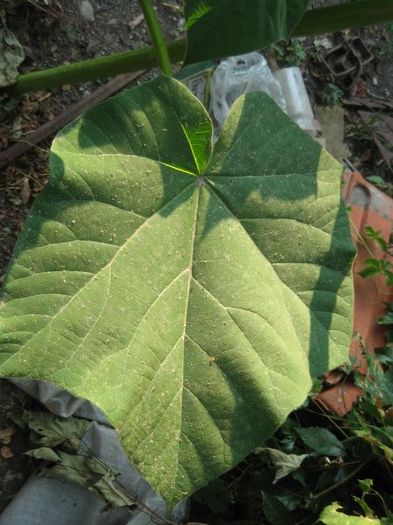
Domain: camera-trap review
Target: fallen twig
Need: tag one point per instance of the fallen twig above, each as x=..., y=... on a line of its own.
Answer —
x=369, y=103
x=51, y=127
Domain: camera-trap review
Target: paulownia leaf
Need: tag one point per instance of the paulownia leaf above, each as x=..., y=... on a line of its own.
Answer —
x=191, y=295
x=219, y=28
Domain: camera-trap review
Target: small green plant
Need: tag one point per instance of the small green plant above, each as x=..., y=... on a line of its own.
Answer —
x=376, y=236
x=374, y=265
x=334, y=94
x=378, y=181
x=290, y=53
x=378, y=267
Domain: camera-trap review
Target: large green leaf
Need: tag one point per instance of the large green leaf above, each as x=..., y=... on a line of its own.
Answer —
x=190, y=295
x=219, y=28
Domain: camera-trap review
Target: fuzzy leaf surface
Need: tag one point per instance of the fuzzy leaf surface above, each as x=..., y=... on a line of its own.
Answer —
x=220, y=28
x=190, y=294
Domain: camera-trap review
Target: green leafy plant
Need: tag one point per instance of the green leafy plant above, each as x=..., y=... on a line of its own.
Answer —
x=374, y=265
x=293, y=52
x=377, y=267
x=334, y=94
x=376, y=236
x=193, y=292
x=377, y=181
x=186, y=276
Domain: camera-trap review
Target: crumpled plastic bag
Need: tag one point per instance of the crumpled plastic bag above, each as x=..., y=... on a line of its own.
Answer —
x=238, y=75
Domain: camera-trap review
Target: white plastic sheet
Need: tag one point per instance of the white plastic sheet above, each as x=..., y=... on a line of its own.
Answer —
x=48, y=501
x=238, y=75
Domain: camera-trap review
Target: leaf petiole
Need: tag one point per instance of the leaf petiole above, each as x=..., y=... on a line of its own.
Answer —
x=159, y=44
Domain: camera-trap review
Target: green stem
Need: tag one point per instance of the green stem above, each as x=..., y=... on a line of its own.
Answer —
x=160, y=48
x=341, y=482
x=102, y=67
x=314, y=22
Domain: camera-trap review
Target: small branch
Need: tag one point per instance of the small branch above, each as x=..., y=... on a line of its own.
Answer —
x=159, y=44
x=43, y=9
x=51, y=127
x=93, y=69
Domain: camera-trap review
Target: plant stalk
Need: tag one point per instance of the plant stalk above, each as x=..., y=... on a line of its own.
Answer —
x=159, y=44
x=314, y=22
x=341, y=482
x=94, y=69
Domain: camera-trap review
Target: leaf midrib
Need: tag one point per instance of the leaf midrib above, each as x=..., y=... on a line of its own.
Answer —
x=186, y=309
x=133, y=156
